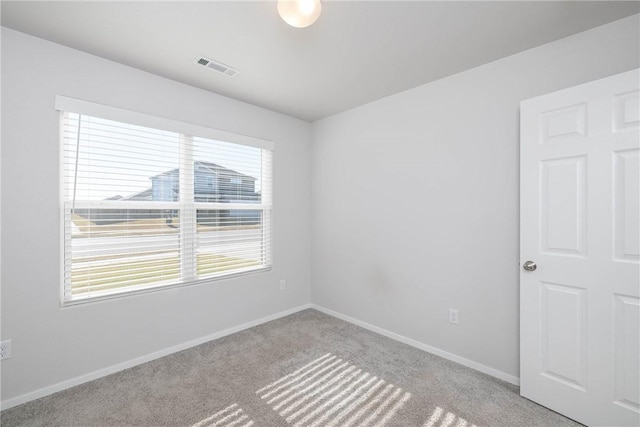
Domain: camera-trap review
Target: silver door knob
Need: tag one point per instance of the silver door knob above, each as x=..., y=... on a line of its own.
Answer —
x=529, y=266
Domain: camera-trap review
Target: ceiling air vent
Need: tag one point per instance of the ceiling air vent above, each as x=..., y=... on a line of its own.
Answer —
x=216, y=66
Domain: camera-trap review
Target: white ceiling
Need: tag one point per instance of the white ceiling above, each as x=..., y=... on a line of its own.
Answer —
x=355, y=53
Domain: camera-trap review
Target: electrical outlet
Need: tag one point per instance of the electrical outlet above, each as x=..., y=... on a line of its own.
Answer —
x=283, y=285
x=453, y=316
x=5, y=349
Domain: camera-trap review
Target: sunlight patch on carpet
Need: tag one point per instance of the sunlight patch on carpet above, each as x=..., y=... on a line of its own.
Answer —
x=231, y=416
x=332, y=392
x=441, y=419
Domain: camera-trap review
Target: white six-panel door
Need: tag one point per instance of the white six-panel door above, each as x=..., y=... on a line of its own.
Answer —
x=580, y=225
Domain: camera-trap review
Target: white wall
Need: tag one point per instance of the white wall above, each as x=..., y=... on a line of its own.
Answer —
x=51, y=344
x=415, y=198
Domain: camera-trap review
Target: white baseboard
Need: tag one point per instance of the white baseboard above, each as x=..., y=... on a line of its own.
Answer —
x=45, y=391
x=413, y=343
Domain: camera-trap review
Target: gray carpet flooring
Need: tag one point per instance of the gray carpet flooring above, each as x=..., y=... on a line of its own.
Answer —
x=307, y=369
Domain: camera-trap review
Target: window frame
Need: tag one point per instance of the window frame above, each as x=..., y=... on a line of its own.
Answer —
x=187, y=131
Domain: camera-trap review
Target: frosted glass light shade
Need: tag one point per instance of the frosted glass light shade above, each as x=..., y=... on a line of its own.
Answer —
x=299, y=13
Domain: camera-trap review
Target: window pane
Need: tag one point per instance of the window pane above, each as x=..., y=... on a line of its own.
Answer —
x=226, y=172
x=116, y=248
x=229, y=239
x=109, y=160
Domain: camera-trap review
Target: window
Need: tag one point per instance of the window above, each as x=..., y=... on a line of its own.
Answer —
x=148, y=202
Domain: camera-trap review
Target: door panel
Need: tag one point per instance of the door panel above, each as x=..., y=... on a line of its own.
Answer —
x=580, y=223
x=563, y=206
x=564, y=123
x=563, y=345
x=626, y=190
x=627, y=110
x=627, y=343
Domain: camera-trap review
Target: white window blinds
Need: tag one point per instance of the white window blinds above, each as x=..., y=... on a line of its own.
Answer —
x=146, y=207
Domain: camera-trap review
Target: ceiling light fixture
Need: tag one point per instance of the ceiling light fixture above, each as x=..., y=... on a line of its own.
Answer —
x=299, y=13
